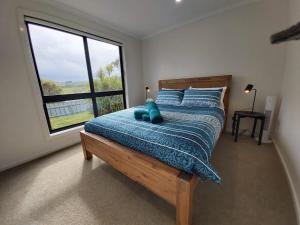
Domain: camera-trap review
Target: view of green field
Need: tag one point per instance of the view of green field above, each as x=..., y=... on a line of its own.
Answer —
x=63, y=121
x=104, y=80
x=76, y=87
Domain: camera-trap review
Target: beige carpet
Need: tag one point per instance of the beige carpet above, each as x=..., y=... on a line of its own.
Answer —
x=64, y=189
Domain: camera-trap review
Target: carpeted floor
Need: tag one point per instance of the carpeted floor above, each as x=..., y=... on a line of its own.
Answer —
x=64, y=189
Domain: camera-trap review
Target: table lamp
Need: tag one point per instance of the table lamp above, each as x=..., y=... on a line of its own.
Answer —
x=248, y=89
x=147, y=92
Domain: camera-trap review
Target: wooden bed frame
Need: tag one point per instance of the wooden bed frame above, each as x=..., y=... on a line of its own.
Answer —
x=171, y=184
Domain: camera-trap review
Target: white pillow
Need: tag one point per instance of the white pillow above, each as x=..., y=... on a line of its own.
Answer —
x=222, y=95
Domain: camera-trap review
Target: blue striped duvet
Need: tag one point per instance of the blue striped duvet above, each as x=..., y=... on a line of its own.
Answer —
x=184, y=140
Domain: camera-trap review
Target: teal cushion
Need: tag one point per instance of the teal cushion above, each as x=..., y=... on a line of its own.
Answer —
x=138, y=113
x=146, y=117
x=154, y=113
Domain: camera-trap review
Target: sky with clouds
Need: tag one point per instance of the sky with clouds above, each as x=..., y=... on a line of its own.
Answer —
x=60, y=56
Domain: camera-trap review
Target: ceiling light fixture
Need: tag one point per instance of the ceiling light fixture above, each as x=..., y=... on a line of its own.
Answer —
x=178, y=1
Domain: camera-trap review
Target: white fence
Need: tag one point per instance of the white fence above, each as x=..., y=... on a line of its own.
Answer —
x=69, y=107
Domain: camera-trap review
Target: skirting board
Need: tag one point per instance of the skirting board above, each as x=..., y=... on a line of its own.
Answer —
x=291, y=184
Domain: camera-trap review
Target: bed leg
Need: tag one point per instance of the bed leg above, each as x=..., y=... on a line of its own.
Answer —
x=184, y=200
x=87, y=155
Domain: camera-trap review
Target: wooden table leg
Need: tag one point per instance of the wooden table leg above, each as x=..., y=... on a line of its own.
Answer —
x=237, y=127
x=254, y=128
x=233, y=124
x=261, y=130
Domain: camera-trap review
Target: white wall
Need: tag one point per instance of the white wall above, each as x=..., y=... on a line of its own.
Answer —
x=288, y=124
x=22, y=135
x=235, y=42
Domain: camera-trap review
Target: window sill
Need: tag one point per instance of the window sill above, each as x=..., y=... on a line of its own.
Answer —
x=67, y=132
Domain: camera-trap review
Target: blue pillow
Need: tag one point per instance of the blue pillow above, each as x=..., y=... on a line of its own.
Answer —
x=169, y=97
x=202, y=98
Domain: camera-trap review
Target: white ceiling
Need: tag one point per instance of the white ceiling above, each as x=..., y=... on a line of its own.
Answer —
x=144, y=18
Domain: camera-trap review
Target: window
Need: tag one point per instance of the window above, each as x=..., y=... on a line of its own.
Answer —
x=79, y=77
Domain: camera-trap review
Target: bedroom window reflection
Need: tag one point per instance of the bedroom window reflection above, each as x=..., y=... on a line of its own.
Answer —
x=79, y=77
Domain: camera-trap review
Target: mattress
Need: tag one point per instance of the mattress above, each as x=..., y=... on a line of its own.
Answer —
x=184, y=140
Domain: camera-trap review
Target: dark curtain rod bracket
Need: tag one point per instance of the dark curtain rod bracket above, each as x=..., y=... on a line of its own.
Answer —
x=290, y=34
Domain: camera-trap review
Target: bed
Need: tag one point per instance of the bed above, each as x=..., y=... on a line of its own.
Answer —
x=166, y=158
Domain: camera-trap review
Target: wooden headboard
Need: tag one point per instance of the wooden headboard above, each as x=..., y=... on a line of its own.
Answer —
x=198, y=82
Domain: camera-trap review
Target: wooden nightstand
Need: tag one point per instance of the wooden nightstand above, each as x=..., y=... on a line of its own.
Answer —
x=243, y=114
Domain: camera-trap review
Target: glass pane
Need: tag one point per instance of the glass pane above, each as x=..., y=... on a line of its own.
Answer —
x=105, y=63
x=67, y=113
x=109, y=104
x=60, y=60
